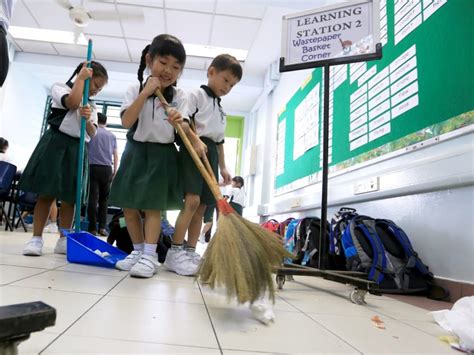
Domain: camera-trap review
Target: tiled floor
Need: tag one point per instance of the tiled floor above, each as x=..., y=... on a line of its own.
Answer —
x=104, y=311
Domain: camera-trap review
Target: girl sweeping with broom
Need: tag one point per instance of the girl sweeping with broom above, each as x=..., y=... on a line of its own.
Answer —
x=52, y=168
x=147, y=179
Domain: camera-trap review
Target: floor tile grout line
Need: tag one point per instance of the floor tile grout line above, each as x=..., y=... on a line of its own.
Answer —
x=141, y=342
x=421, y=330
x=257, y=351
x=24, y=266
x=39, y=273
x=82, y=315
x=329, y=330
x=24, y=278
x=210, y=319
x=156, y=300
x=58, y=290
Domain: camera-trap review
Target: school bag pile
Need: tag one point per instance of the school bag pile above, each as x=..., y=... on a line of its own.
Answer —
x=378, y=247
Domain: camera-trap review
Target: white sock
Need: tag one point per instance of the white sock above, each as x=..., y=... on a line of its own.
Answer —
x=37, y=239
x=139, y=246
x=150, y=249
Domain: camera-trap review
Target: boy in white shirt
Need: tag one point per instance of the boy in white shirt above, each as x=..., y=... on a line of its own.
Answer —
x=237, y=194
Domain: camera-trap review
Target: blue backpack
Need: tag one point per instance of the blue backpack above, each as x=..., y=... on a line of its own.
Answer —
x=381, y=249
x=290, y=238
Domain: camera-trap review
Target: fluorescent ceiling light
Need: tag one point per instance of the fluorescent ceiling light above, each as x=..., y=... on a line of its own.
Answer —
x=199, y=50
x=44, y=35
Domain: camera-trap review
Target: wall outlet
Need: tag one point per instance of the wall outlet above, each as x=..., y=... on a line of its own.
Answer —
x=296, y=203
x=366, y=185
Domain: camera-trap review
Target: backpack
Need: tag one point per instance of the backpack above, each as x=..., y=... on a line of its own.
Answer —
x=337, y=227
x=363, y=248
x=408, y=273
x=307, y=242
x=383, y=250
x=290, y=238
x=284, y=226
x=271, y=225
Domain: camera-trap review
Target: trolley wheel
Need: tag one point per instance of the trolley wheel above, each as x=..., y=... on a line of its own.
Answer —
x=280, y=280
x=358, y=296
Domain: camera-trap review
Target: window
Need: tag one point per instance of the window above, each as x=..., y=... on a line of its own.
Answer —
x=114, y=124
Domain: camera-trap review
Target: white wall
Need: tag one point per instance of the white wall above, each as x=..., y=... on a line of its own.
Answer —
x=429, y=192
x=21, y=113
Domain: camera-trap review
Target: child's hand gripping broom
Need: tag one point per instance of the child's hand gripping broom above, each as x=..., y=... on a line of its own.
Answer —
x=242, y=255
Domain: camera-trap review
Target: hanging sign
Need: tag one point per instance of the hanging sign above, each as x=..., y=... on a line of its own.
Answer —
x=344, y=33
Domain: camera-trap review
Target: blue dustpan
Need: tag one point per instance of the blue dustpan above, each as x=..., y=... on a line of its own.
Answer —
x=81, y=249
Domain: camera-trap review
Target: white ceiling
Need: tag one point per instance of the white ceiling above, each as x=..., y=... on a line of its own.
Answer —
x=243, y=24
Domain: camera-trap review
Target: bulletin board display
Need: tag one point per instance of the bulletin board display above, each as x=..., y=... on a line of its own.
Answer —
x=422, y=87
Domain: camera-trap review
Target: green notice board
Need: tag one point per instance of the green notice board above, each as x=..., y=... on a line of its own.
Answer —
x=423, y=86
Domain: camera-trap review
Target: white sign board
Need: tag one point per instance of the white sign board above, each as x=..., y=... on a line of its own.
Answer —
x=341, y=32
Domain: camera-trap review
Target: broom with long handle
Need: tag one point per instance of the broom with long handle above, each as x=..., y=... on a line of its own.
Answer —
x=80, y=154
x=242, y=255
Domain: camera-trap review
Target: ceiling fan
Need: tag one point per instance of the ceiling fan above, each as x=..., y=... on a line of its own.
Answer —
x=81, y=17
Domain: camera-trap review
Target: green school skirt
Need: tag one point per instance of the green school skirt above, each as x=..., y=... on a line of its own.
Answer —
x=52, y=168
x=193, y=181
x=147, y=178
x=209, y=213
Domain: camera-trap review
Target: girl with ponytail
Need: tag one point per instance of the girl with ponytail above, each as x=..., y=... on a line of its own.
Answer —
x=147, y=179
x=52, y=168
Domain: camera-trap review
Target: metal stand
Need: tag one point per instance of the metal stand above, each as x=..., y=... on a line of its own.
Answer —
x=357, y=279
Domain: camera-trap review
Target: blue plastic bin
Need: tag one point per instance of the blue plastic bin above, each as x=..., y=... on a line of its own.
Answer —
x=81, y=247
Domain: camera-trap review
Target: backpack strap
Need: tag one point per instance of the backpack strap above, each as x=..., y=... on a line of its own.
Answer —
x=379, y=262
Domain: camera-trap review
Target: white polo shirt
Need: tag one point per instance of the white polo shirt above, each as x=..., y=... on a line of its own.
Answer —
x=153, y=125
x=209, y=117
x=68, y=121
x=237, y=195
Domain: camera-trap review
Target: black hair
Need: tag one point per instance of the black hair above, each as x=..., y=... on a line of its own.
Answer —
x=227, y=62
x=101, y=118
x=162, y=45
x=97, y=70
x=238, y=180
x=3, y=145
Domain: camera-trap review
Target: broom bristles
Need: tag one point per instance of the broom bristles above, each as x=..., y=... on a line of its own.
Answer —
x=241, y=257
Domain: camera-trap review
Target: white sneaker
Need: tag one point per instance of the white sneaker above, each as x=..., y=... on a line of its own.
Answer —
x=61, y=246
x=127, y=263
x=180, y=262
x=202, y=238
x=51, y=228
x=195, y=257
x=29, y=226
x=33, y=248
x=145, y=267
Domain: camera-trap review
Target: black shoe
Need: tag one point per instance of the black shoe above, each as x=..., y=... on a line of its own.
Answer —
x=103, y=232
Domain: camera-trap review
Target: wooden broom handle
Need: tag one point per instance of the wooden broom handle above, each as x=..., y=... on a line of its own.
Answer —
x=209, y=178
x=204, y=158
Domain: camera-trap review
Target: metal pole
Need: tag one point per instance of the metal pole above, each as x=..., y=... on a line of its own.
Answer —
x=324, y=193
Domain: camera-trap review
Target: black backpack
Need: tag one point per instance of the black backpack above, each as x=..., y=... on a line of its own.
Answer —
x=307, y=243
